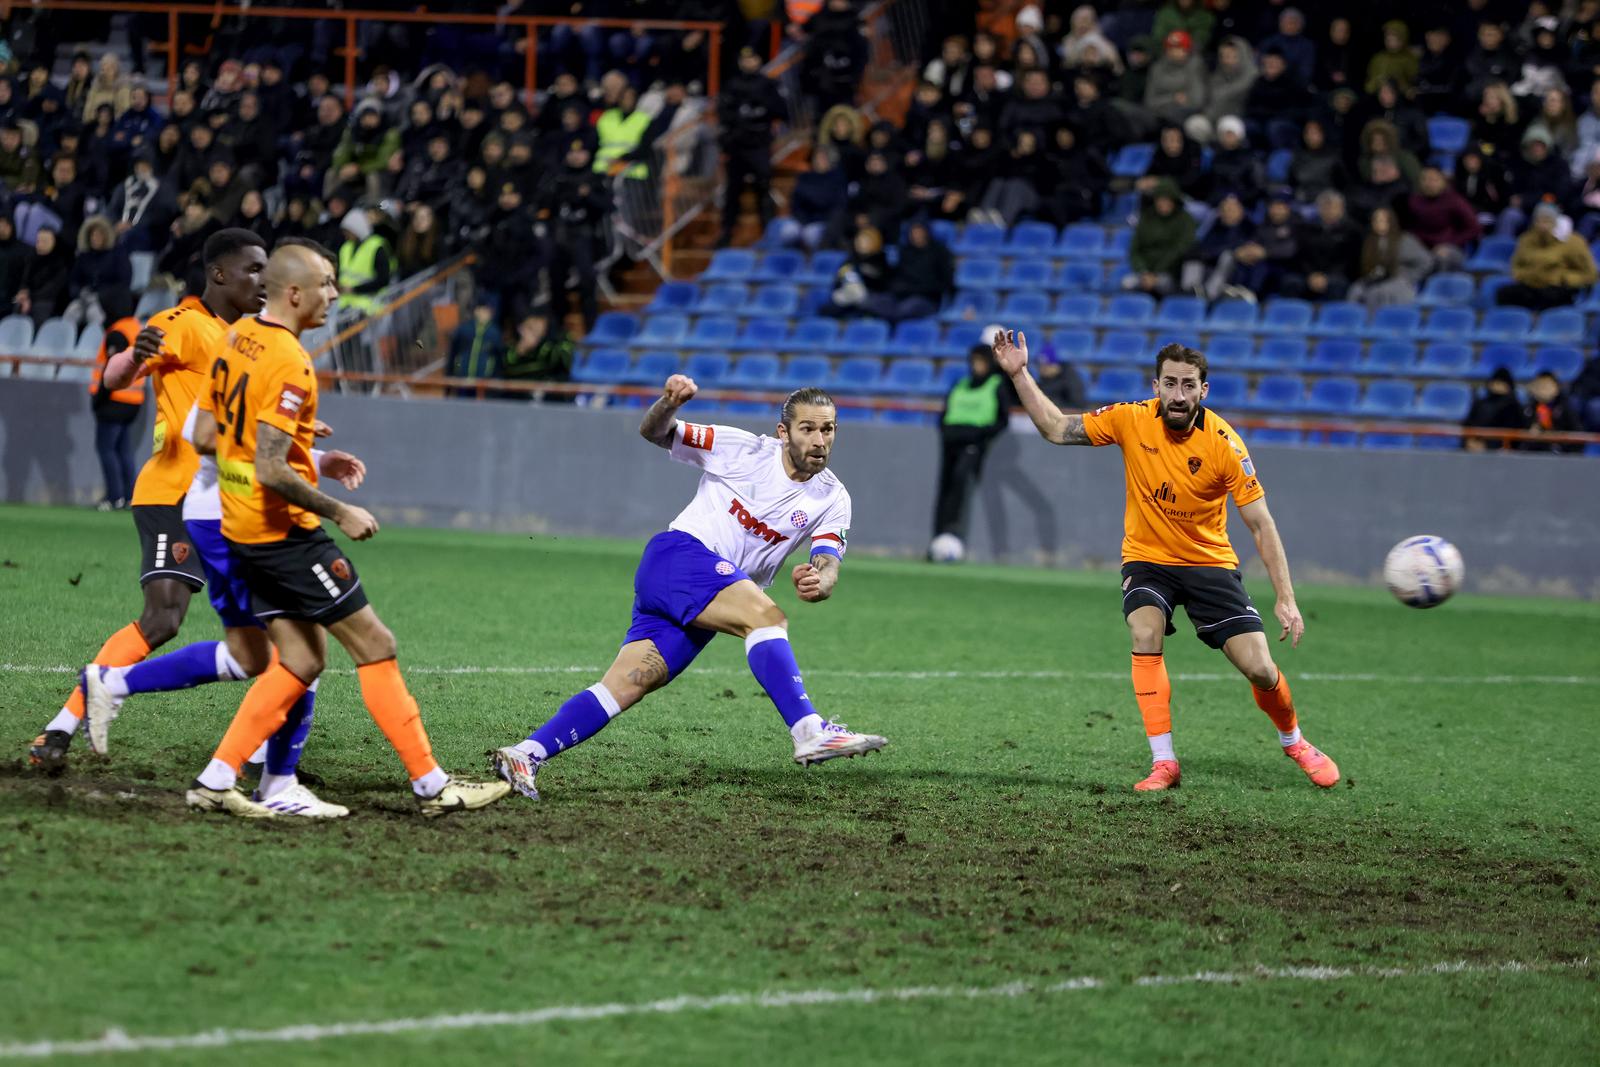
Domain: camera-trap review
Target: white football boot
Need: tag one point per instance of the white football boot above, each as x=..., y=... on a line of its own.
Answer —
x=462, y=796
x=832, y=740
x=300, y=802
x=201, y=798
x=517, y=768
x=100, y=708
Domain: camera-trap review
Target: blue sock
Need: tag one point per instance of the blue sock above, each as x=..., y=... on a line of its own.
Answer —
x=772, y=662
x=197, y=664
x=285, y=746
x=579, y=719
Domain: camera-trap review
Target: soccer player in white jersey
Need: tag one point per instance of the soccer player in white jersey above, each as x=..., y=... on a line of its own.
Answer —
x=707, y=574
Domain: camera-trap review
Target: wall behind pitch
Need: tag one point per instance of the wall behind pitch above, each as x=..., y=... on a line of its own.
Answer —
x=1525, y=523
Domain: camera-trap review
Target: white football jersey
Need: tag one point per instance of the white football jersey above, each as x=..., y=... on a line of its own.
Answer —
x=203, y=500
x=747, y=509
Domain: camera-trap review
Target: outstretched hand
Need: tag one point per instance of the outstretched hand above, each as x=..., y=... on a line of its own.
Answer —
x=343, y=468
x=679, y=390
x=1011, y=351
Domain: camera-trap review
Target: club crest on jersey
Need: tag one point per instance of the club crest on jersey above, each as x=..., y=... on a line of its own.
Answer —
x=755, y=526
x=180, y=552
x=340, y=569
x=701, y=437
x=799, y=520
x=1194, y=464
x=1249, y=468
x=289, y=401
x=724, y=568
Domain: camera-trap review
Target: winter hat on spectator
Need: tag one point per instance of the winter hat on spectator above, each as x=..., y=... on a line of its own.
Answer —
x=1231, y=122
x=1179, y=39
x=356, y=224
x=1030, y=20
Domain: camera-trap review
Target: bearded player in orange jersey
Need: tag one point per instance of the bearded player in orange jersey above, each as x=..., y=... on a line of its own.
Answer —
x=1182, y=462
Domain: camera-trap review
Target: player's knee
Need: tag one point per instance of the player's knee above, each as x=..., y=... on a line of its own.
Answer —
x=1146, y=636
x=770, y=615
x=160, y=624
x=1263, y=673
x=380, y=644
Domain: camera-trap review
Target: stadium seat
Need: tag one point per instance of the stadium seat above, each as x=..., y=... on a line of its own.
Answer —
x=980, y=238
x=1232, y=316
x=772, y=236
x=802, y=371
x=1116, y=384
x=1121, y=346
x=661, y=331
x=1564, y=363
x=1513, y=358
x=1081, y=240
x=909, y=418
x=852, y=413
x=959, y=340
x=822, y=268
x=1286, y=316
x=1030, y=274
x=1444, y=401
x=722, y=299
x=775, y=301
x=1333, y=396
x=1445, y=360
x=815, y=334
x=972, y=304
x=1116, y=246
x=1394, y=321
x=1333, y=438
x=944, y=231
x=1489, y=288
x=1183, y=314
x=1335, y=354
x=1131, y=161
x=864, y=336
x=1446, y=133
x=1230, y=350
x=1034, y=239
x=759, y=371
x=1558, y=326
x=1386, y=440
x=1493, y=255
x=858, y=374
x=607, y=365
x=1429, y=442
x=708, y=369
x=1390, y=357
x=1446, y=289
x=89, y=340
x=16, y=335
x=674, y=296
x=914, y=337
x=1505, y=324
x=1446, y=324
x=1340, y=319
x=612, y=328
x=140, y=265
x=978, y=273
x=1121, y=209
x=56, y=337
x=1279, y=393
x=1127, y=311
x=39, y=372
x=730, y=265
x=1228, y=391
x=909, y=377
x=653, y=368
x=1274, y=436
x=1278, y=164
x=75, y=372
x=781, y=266
x=713, y=331
x=1282, y=352
x=1074, y=309
x=1081, y=275
x=767, y=335
x=1387, y=400
x=1073, y=346
x=949, y=373
x=154, y=300
x=1031, y=306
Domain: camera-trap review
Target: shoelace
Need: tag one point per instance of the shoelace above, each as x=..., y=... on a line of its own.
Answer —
x=831, y=727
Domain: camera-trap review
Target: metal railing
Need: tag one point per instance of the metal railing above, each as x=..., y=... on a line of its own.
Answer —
x=409, y=335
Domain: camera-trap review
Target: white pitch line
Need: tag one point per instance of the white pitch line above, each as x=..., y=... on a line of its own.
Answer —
x=918, y=676
x=120, y=1041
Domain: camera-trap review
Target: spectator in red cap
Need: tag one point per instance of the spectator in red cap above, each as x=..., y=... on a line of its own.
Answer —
x=1177, y=85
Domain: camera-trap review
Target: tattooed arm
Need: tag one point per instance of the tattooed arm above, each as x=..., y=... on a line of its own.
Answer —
x=274, y=473
x=815, y=580
x=661, y=421
x=1053, y=424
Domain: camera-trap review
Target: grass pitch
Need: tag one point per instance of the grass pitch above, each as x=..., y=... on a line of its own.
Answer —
x=996, y=843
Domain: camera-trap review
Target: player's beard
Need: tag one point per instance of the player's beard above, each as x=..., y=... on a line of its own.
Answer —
x=1185, y=423
x=801, y=459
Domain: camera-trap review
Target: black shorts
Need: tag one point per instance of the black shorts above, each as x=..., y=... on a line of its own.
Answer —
x=165, y=550
x=1214, y=598
x=305, y=576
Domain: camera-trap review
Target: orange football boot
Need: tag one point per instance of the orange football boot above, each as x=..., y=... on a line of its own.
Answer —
x=1163, y=775
x=1319, y=768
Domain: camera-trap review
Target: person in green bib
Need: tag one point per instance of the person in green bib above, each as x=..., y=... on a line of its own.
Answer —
x=976, y=411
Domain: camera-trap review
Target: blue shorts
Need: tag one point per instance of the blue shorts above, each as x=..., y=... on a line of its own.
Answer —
x=677, y=578
x=229, y=595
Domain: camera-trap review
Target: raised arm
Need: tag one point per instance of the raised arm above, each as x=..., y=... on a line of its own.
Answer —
x=1270, y=546
x=1053, y=424
x=662, y=419
x=273, y=472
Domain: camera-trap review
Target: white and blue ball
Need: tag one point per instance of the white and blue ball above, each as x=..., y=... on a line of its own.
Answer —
x=947, y=548
x=1423, y=571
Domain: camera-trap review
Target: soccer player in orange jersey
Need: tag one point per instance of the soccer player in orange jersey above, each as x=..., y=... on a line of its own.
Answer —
x=259, y=418
x=1182, y=462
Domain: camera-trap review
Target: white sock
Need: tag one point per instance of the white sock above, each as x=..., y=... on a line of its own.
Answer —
x=228, y=669
x=805, y=727
x=273, y=784
x=430, y=784
x=607, y=699
x=218, y=775
x=1290, y=738
x=1161, y=747
x=64, y=720
x=259, y=755
x=530, y=747
x=112, y=679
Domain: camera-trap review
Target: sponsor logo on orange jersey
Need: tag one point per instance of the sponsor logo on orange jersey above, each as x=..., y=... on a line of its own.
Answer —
x=290, y=400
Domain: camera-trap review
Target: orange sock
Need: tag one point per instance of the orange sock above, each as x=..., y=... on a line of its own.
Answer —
x=1153, y=690
x=1278, y=704
x=265, y=707
x=395, y=710
x=122, y=649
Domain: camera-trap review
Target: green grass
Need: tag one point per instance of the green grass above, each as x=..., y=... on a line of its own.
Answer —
x=682, y=853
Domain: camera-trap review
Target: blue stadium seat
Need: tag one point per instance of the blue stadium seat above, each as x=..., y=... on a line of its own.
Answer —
x=1275, y=436
x=1030, y=274
x=1446, y=133
x=1394, y=321
x=1564, y=363
x=1230, y=350
x=1490, y=287
x=772, y=236
x=1444, y=360
x=1559, y=326
x=1232, y=316
x=1116, y=384
x=608, y=365
x=1444, y=401
x=980, y=238
x=775, y=301
x=1340, y=319
x=1493, y=255
x=1278, y=164
x=784, y=265
x=1074, y=309
x=1031, y=239
x=1131, y=161
x=1282, y=352
x=653, y=368
x=723, y=299
x=1081, y=240
x=1447, y=289
x=914, y=337
x=612, y=328
x=978, y=273
x=1436, y=442
x=960, y=339
x=1116, y=246
x=767, y=335
x=1505, y=324
x=1121, y=209
x=1447, y=324
x=1390, y=357
x=1073, y=346
x=1181, y=313
x=944, y=231
x=674, y=296
x=1387, y=400
x=757, y=371
x=851, y=413
x=822, y=268
x=1333, y=396
x=16, y=335
x=858, y=374
x=730, y=265
x=708, y=369
x=815, y=334
x=950, y=372
x=1513, y=358
x=1335, y=354
x=1228, y=391
x=1128, y=311
x=1333, y=438
x=1025, y=307
x=1286, y=316
x=1386, y=440
x=1083, y=275
x=864, y=336
x=972, y=304
x=802, y=371
x=909, y=418
x=661, y=331
x=713, y=331
x=1121, y=346
x=909, y=377
x=1280, y=393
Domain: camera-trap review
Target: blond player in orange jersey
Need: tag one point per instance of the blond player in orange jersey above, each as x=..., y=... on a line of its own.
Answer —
x=259, y=418
x=1182, y=463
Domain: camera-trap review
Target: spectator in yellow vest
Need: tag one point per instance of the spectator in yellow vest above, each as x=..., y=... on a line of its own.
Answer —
x=366, y=264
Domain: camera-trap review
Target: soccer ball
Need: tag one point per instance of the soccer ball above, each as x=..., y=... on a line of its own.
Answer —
x=1423, y=571
x=947, y=548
